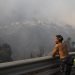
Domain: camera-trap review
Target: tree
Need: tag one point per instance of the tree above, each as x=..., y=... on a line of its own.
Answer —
x=5, y=53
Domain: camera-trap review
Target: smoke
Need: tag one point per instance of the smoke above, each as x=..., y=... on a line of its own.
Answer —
x=30, y=25
x=19, y=10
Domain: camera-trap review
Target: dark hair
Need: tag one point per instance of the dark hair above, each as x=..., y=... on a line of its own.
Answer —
x=60, y=38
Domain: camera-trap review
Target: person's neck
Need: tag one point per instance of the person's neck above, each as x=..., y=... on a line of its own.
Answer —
x=59, y=43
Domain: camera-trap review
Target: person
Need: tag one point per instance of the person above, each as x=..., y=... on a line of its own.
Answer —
x=66, y=60
x=68, y=43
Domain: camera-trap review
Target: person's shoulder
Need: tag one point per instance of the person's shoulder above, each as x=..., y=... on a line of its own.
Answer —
x=57, y=45
x=60, y=45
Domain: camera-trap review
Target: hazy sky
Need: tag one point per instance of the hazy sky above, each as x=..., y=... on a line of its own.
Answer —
x=57, y=10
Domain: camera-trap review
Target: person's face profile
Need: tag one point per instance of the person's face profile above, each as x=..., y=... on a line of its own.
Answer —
x=56, y=40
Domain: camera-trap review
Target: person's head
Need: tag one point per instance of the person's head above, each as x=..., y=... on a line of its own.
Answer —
x=69, y=39
x=58, y=39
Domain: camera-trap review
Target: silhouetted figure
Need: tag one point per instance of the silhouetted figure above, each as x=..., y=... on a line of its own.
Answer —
x=68, y=43
x=65, y=59
x=73, y=46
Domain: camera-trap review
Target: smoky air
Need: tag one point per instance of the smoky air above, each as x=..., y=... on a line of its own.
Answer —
x=28, y=27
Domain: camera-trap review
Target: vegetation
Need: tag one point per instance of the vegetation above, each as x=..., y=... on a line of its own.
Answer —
x=5, y=53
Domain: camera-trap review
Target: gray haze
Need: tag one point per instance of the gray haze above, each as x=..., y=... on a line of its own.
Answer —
x=30, y=25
